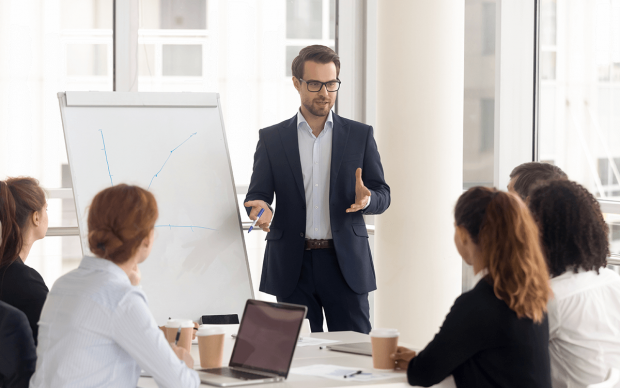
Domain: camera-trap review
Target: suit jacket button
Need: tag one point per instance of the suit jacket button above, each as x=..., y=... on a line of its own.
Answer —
x=301, y=234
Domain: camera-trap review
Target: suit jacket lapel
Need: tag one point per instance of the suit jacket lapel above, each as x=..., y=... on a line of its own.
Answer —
x=288, y=134
x=339, y=143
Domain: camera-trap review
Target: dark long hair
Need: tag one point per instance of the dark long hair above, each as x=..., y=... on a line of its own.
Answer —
x=574, y=233
x=501, y=225
x=19, y=198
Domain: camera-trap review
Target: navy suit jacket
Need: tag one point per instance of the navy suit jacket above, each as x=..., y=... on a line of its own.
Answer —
x=277, y=170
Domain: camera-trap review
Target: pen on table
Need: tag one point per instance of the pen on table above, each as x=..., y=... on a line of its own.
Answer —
x=359, y=372
x=178, y=335
x=256, y=220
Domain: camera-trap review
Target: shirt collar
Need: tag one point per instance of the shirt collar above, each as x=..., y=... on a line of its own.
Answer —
x=98, y=264
x=301, y=120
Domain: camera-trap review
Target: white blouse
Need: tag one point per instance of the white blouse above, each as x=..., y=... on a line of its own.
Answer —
x=96, y=331
x=584, y=327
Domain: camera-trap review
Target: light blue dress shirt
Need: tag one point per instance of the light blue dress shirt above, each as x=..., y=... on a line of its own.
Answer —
x=315, y=153
x=96, y=330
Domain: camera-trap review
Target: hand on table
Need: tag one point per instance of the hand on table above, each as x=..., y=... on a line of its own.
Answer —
x=402, y=357
x=362, y=194
x=265, y=219
x=183, y=355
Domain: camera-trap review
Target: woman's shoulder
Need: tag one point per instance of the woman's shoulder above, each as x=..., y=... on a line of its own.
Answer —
x=21, y=276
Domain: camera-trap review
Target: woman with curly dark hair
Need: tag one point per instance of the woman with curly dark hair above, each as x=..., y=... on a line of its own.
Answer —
x=584, y=315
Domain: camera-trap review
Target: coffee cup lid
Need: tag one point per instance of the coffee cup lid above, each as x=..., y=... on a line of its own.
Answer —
x=204, y=330
x=384, y=333
x=176, y=323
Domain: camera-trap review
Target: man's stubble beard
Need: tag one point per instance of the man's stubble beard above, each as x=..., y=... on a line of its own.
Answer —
x=315, y=112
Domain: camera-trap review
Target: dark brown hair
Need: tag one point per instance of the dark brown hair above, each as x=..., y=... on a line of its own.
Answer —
x=119, y=218
x=19, y=198
x=315, y=53
x=529, y=174
x=501, y=225
x=574, y=233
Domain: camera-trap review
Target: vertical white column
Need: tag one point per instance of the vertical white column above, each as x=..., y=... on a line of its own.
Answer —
x=126, y=18
x=420, y=136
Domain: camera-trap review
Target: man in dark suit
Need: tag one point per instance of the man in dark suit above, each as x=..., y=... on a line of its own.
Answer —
x=326, y=173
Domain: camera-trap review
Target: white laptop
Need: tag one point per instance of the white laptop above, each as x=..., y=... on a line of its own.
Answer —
x=264, y=348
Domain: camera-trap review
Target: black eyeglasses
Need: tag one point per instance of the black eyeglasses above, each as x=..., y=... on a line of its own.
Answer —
x=316, y=86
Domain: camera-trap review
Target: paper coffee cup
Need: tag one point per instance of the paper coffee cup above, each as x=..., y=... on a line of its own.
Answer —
x=187, y=331
x=210, y=345
x=384, y=343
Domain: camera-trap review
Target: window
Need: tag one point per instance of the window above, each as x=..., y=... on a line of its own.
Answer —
x=308, y=22
x=183, y=45
x=56, y=46
x=580, y=92
x=479, y=93
x=579, y=97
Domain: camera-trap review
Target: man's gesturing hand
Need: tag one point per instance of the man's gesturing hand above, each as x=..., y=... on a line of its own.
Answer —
x=362, y=194
x=265, y=219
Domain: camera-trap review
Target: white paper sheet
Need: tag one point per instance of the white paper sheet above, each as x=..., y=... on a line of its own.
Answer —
x=336, y=372
x=310, y=341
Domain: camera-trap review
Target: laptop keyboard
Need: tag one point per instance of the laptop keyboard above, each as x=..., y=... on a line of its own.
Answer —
x=236, y=374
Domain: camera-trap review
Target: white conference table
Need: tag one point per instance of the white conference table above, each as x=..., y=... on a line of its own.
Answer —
x=312, y=355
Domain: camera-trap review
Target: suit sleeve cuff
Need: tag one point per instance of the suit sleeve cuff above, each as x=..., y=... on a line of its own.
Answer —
x=368, y=203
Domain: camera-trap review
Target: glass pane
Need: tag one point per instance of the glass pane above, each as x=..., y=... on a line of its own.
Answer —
x=479, y=93
x=548, y=22
x=87, y=59
x=173, y=14
x=547, y=65
x=291, y=53
x=613, y=220
x=82, y=14
x=146, y=60
x=304, y=19
x=579, y=115
x=53, y=46
x=332, y=19
x=182, y=60
x=245, y=56
x=54, y=256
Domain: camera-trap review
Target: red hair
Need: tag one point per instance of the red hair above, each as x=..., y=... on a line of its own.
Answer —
x=508, y=238
x=119, y=218
x=19, y=198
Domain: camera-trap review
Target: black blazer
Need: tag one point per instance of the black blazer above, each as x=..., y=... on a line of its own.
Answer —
x=23, y=288
x=483, y=344
x=277, y=170
x=18, y=355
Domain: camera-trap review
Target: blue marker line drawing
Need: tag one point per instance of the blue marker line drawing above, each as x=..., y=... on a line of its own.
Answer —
x=169, y=155
x=183, y=226
x=106, y=157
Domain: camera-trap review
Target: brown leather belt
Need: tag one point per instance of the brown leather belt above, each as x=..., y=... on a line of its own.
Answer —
x=319, y=244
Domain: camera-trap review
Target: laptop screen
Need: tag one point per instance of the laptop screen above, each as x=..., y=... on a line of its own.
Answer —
x=267, y=336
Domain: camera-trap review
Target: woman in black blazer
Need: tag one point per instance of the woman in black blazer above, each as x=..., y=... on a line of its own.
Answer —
x=497, y=334
x=23, y=216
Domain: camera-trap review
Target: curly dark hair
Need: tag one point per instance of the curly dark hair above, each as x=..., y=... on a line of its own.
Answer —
x=573, y=231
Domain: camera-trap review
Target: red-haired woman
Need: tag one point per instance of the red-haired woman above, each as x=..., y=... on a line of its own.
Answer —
x=96, y=328
x=495, y=335
x=23, y=220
